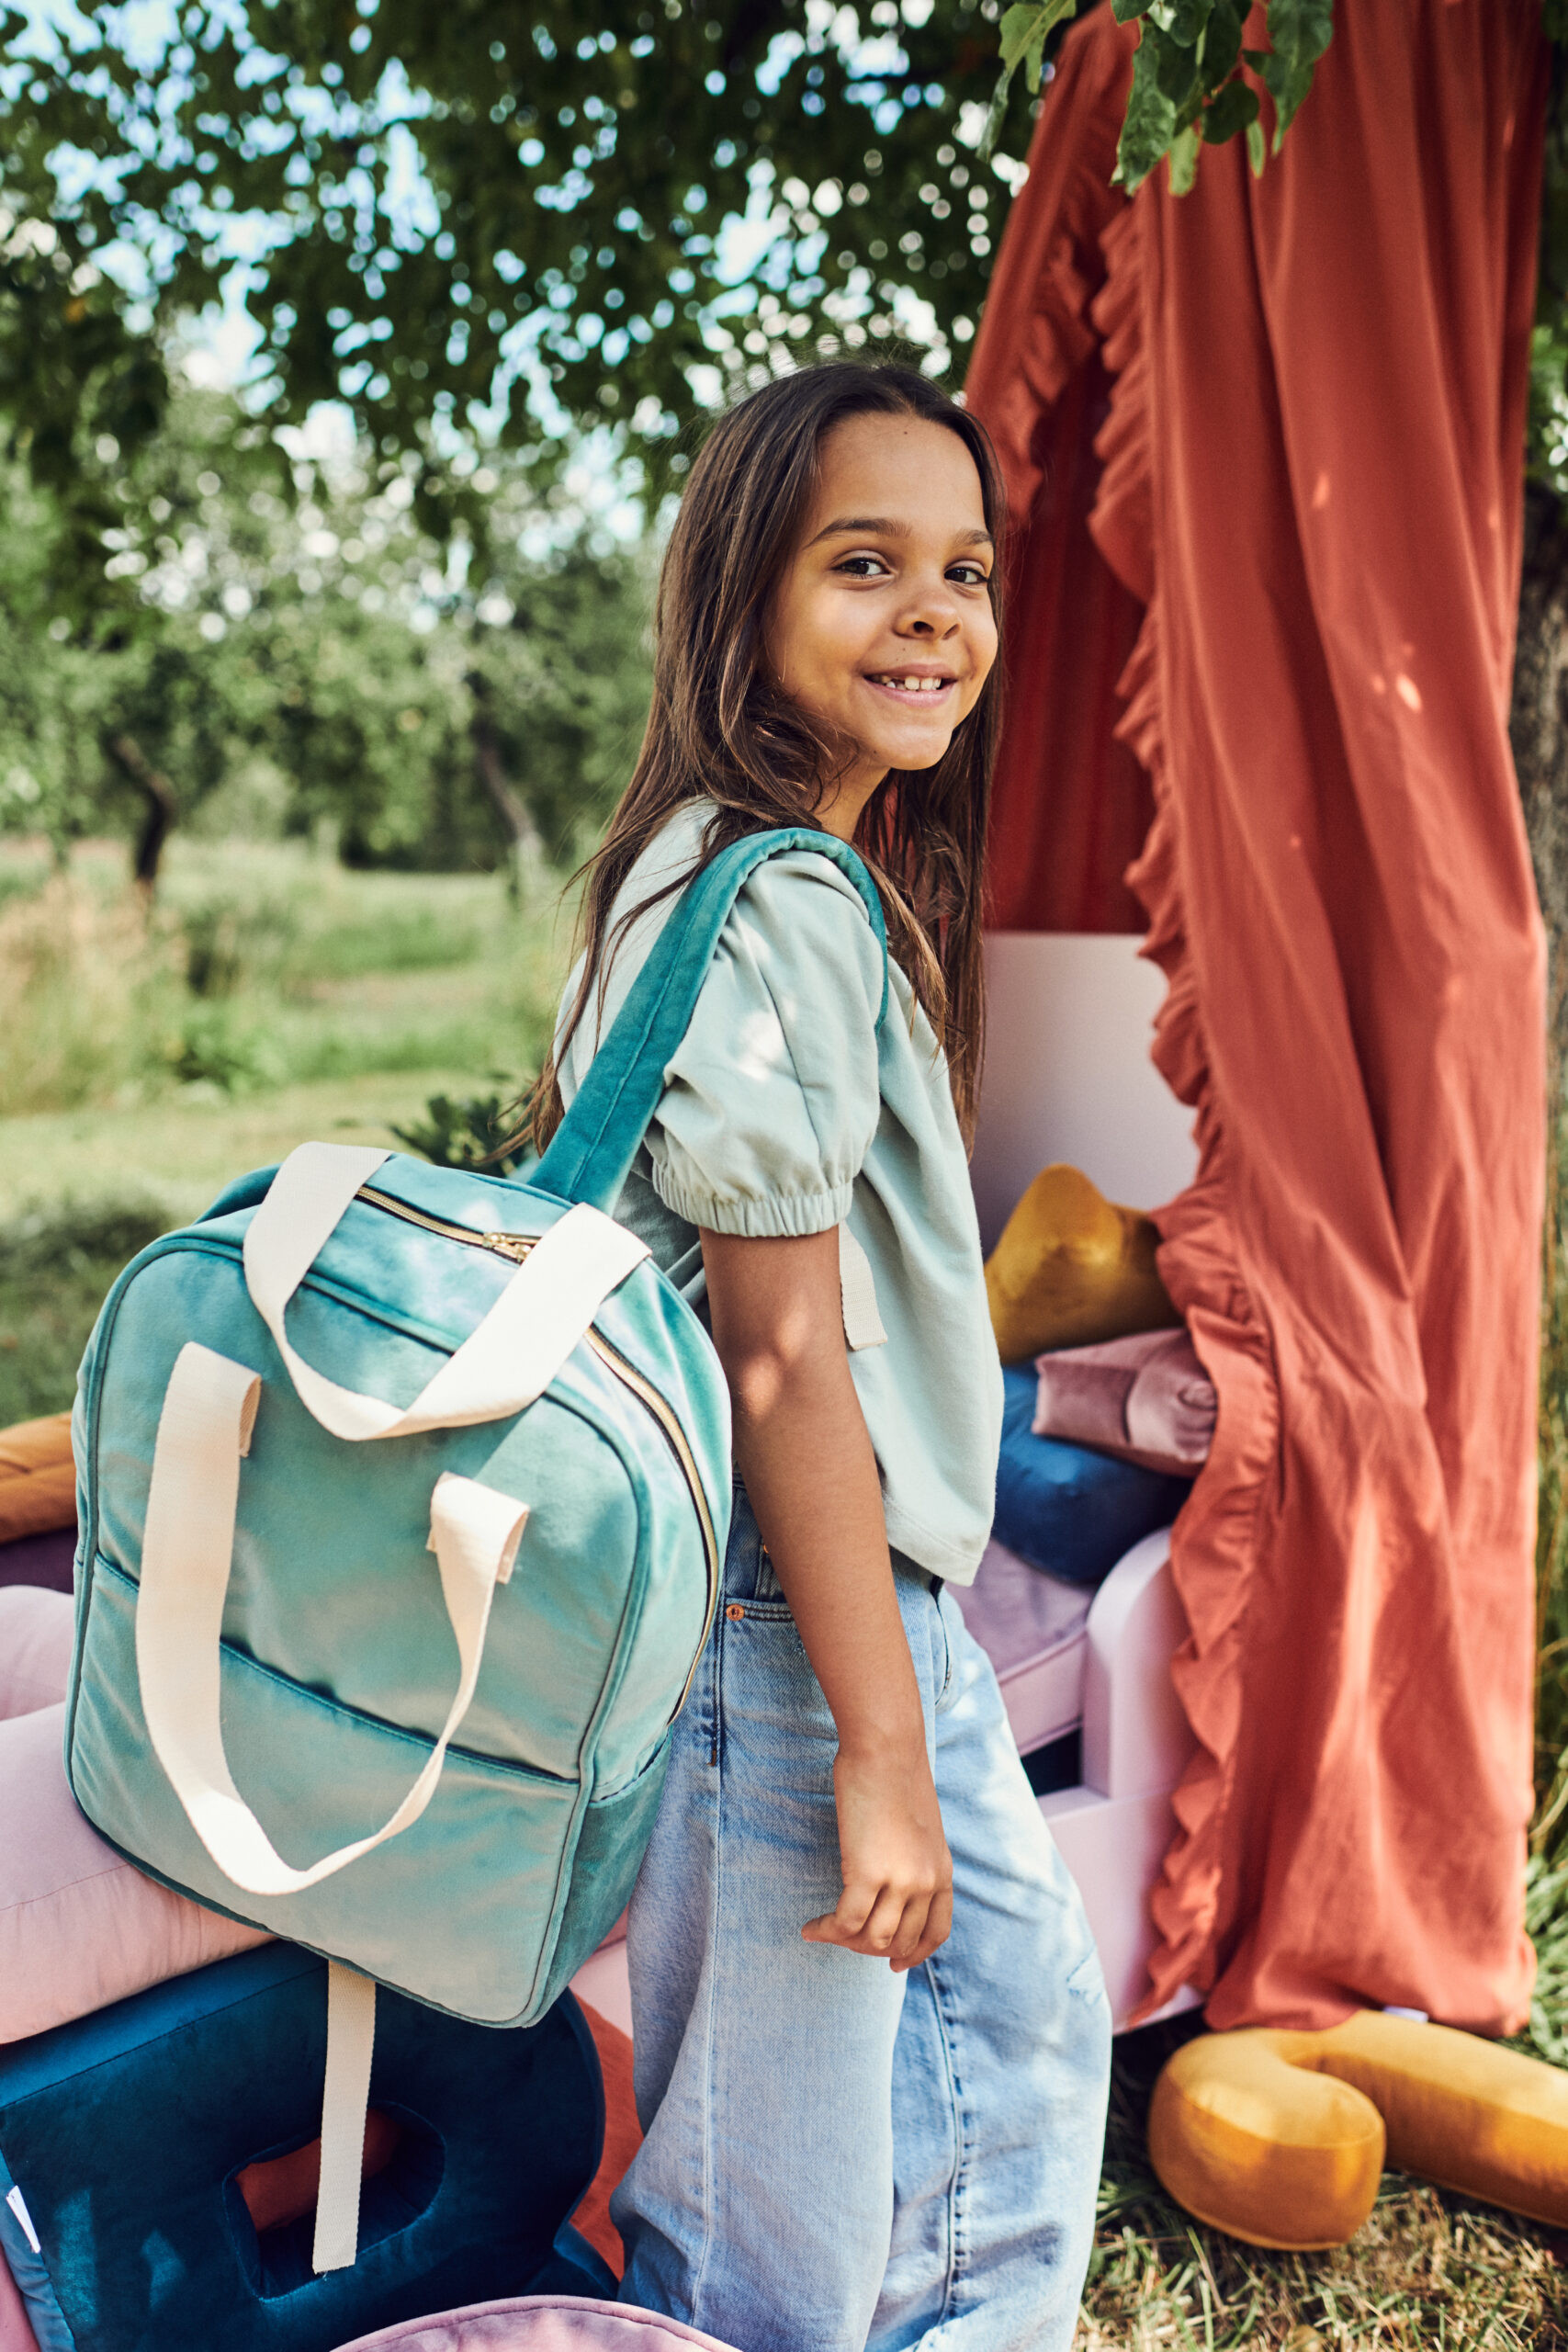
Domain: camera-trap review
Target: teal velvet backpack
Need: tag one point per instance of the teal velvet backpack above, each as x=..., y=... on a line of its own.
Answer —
x=403, y=1500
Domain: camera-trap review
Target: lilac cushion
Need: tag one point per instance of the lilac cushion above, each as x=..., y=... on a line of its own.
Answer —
x=79, y=1924
x=539, y=2324
x=1146, y=1399
x=1034, y=1629
x=35, y=1647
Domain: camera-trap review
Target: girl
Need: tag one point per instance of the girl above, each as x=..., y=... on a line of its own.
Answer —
x=872, y=2041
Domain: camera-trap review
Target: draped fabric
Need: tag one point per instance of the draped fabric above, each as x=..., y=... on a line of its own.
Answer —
x=1264, y=450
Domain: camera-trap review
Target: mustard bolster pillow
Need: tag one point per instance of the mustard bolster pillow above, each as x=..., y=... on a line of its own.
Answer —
x=1279, y=2137
x=1072, y=1268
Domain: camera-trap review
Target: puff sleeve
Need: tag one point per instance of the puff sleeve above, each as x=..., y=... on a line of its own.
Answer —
x=772, y=1099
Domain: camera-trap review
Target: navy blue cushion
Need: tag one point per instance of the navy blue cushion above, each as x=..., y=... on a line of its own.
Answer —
x=124, y=2133
x=1064, y=1507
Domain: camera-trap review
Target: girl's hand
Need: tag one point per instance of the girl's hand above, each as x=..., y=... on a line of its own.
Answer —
x=898, y=1900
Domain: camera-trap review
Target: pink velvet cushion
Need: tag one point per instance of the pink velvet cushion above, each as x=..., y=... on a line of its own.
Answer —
x=1145, y=1398
x=538, y=2323
x=35, y=1647
x=79, y=1927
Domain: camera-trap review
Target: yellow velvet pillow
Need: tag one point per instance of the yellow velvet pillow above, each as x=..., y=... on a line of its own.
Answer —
x=37, y=1478
x=1072, y=1268
x=1279, y=2137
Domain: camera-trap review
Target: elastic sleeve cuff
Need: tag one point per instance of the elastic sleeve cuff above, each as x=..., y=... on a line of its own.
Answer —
x=779, y=1216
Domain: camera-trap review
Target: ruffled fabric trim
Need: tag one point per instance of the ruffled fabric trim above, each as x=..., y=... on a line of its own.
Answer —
x=1050, y=262
x=1220, y=1531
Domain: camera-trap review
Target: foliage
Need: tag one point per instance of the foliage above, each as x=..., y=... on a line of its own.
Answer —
x=465, y=219
x=294, y=652
x=338, y=975
x=1188, y=80
x=55, y=1266
x=471, y=1133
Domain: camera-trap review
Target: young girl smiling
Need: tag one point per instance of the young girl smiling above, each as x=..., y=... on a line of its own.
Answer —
x=872, y=2041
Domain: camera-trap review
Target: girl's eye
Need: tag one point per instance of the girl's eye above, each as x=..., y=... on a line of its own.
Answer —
x=973, y=577
x=859, y=566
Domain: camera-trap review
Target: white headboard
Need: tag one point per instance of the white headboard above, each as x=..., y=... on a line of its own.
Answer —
x=1068, y=1074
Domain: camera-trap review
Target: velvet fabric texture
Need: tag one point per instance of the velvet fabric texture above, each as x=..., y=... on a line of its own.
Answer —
x=1071, y=1267
x=37, y=1477
x=1065, y=1508
x=35, y=1649
x=125, y=2133
x=622, y=2138
x=1280, y=2138
x=1308, y=478
x=80, y=1925
x=1146, y=1399
x=541, y=2324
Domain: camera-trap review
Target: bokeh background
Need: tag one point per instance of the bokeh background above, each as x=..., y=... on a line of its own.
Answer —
x=351, y=353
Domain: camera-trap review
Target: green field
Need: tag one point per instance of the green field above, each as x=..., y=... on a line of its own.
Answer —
x=268, y=997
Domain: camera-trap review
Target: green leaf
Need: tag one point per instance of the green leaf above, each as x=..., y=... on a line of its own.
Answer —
x=1176, y=67
x=1186, y=21
x=1126, y=11
x=1024, y=31
x=1234, y=109
x=1299, y=32
x=1150, y=125
x=1257, y=152
x=1184, y=161
x=1222, y=44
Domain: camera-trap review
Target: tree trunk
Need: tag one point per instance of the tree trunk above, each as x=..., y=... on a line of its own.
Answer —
x=162, y=809
x=527, y=850
x=1538, y=724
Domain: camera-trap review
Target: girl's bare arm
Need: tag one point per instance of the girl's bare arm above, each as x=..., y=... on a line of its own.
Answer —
x=802, y=1450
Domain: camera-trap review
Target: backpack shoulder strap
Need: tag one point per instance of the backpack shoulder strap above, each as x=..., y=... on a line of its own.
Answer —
x=591, y=1151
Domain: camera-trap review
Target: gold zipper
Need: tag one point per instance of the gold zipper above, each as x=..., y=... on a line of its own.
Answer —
x=516, y=1246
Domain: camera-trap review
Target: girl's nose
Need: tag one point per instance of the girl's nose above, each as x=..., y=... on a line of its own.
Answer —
x=932, y=614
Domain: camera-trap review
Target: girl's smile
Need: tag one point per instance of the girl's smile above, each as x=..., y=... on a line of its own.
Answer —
x=881, y=628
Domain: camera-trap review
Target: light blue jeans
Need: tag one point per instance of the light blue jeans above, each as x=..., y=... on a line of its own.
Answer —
x=837, y=2157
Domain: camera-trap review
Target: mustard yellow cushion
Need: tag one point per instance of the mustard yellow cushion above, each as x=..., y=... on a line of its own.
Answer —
x=37, y=1478
x=1072, y=1268
x=1279, y=2137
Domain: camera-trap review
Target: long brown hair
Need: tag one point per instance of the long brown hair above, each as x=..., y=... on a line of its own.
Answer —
x=720, y=731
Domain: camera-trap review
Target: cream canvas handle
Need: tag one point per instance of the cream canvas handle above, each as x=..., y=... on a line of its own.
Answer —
x=346, y=2096
x=505, y=1363
x=203, y=1432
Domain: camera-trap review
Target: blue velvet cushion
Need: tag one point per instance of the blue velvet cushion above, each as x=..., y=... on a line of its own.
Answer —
x=1064, y=1507
x=123, y=2134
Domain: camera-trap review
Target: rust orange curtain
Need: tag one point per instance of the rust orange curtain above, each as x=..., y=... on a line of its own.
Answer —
x=1264, y=449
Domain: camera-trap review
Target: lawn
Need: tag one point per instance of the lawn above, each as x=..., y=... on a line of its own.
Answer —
x=269, y=997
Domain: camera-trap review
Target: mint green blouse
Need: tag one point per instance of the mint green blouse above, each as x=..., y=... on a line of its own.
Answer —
x=786, y=1112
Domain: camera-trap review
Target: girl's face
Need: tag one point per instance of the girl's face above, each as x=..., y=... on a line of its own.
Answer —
x=882, y=627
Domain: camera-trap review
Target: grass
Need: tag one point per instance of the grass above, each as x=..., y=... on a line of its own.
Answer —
x=272, y=998
x=261, y=966
x=269, y=997
x=1426, y=2270
x=54, y=1270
